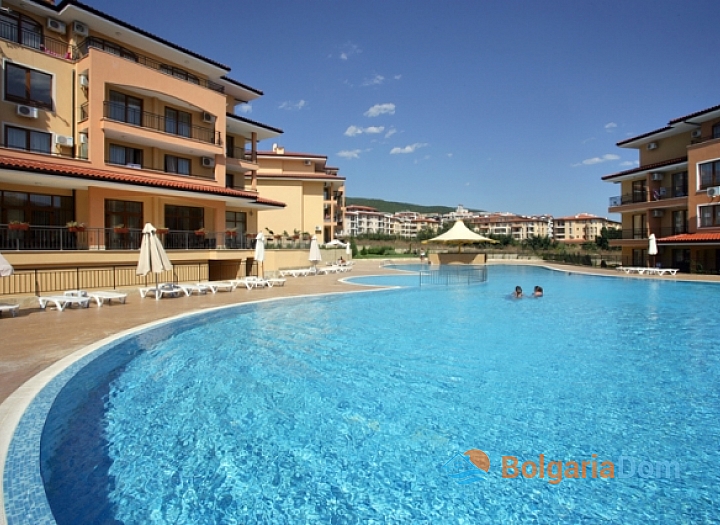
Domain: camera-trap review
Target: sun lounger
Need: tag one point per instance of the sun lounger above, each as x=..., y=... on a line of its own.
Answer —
x=251, y=282
x=62, y=301
x=99, y=296
x=214, y=286
x=162, y=290
x=297, y=272
x=188, y=289
x=665, y=271
x=12, y=308
x=276, y=281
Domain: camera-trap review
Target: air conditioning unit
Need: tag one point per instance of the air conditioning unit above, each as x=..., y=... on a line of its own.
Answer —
x=652, y=145
x=308, y=163
x=83, y=138
x=207, y=162
x=84, y=81
x=27, y=111
x=56, y=25
x=696, y=134
x=134, y=166
x=63, y=140
x=80, y=29
x=713, y=191
x=657, y=176
x=208, y=117
x=658, y=213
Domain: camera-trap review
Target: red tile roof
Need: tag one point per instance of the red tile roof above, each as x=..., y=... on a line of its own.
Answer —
x=50, y=168
x=693, y=115
x=691, y=237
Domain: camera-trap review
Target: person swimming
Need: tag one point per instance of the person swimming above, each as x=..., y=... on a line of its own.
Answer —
x=538, y=291
x=517, y=293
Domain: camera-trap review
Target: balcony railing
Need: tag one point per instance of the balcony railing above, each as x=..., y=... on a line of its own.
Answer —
x=143, y=119
x=628, y=198
x=147, y=166
x=151, y=63
x=239, y=153
x=33, y=40
x=633, y=233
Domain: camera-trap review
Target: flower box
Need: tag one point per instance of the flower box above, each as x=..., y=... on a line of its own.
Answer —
x=18, y=226
x=121, y=230
x=76, y=229
x=162, y=231
x=230, y=233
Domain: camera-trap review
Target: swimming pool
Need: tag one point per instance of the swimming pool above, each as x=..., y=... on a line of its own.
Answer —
x=352, y=409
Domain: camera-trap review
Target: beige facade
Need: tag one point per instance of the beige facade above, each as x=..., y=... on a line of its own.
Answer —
x=111, y=127
x=674, y=194
x=313, y=192
x=519, y=227
x=580, y=228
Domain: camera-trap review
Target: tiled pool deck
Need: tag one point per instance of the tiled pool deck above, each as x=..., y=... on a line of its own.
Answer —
x=47, y=347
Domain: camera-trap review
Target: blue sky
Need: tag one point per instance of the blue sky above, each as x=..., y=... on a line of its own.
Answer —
x=512, y=105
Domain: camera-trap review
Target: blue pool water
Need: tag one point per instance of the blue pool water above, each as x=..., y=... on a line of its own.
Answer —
x=352, y=409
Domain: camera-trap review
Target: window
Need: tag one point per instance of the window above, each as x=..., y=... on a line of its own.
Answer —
x=127, y=213
x=709, y=216
x=27, y=86
x=638, y=222
x=27, y=139
x=679, y=219
x=236, y=220
x=21, y=29
x=177, y=165
x=35, y=208
x=679, y=184
x=125, y=155
x=125, y=108
x=177, y=122
x=716, y=131
x=639, y=191
x=709, y=174
x=184, y=218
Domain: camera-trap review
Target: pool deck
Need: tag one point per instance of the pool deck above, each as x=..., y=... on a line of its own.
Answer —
x=36, y=339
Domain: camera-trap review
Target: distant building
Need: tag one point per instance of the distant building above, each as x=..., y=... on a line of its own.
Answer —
x=519, y=227
x=362, y=220
x=581, y=228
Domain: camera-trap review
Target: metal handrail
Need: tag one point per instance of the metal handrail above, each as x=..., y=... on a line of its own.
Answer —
x=160, y=123
x=453, y=275
x=44, y=44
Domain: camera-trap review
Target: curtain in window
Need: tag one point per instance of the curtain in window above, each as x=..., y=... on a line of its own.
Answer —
x=39, y=142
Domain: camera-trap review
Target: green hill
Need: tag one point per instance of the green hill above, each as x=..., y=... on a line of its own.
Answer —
x=394, y=207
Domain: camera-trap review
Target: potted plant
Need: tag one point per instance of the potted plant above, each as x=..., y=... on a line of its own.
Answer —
x=17, y=225
x=231, y=232
x=296, y=234
x=200, y=232
x=74, y=226
x=120, y=228
x=162, y=231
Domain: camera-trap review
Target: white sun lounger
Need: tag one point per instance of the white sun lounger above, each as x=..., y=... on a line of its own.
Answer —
x=167, y=289
x=12, y=308
x=251, y=282
x=62, y=301
x=276, y=281
x=188, y=289
x=214, y=286
x=99, y=296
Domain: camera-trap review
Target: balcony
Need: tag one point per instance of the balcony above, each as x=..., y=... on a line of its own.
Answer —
x=92, y=43
x=33, y=40
x=127, y=115
x=628, y=198
x=160, y=169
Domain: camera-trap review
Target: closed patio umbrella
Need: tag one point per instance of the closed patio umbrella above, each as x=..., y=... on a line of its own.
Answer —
x=152, y=254
x=260, y=253
x=652, y=247
x=315, y=255
x=6, y=268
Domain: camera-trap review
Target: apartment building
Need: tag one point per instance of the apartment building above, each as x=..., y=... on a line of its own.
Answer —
x=581, y=228
x=519, y=227
x=109, y=126
x=674, y=194
x=313, y=191
x=361, y=220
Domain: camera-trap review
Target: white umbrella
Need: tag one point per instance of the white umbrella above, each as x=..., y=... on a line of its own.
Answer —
x=459, y=234
x=348, y=249
x=5, y=267
x=315, y=255
x=260, y=252
x=652, y=246
x=152, y=254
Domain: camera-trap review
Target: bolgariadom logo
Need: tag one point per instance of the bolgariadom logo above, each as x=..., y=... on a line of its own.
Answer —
x=473, y=465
